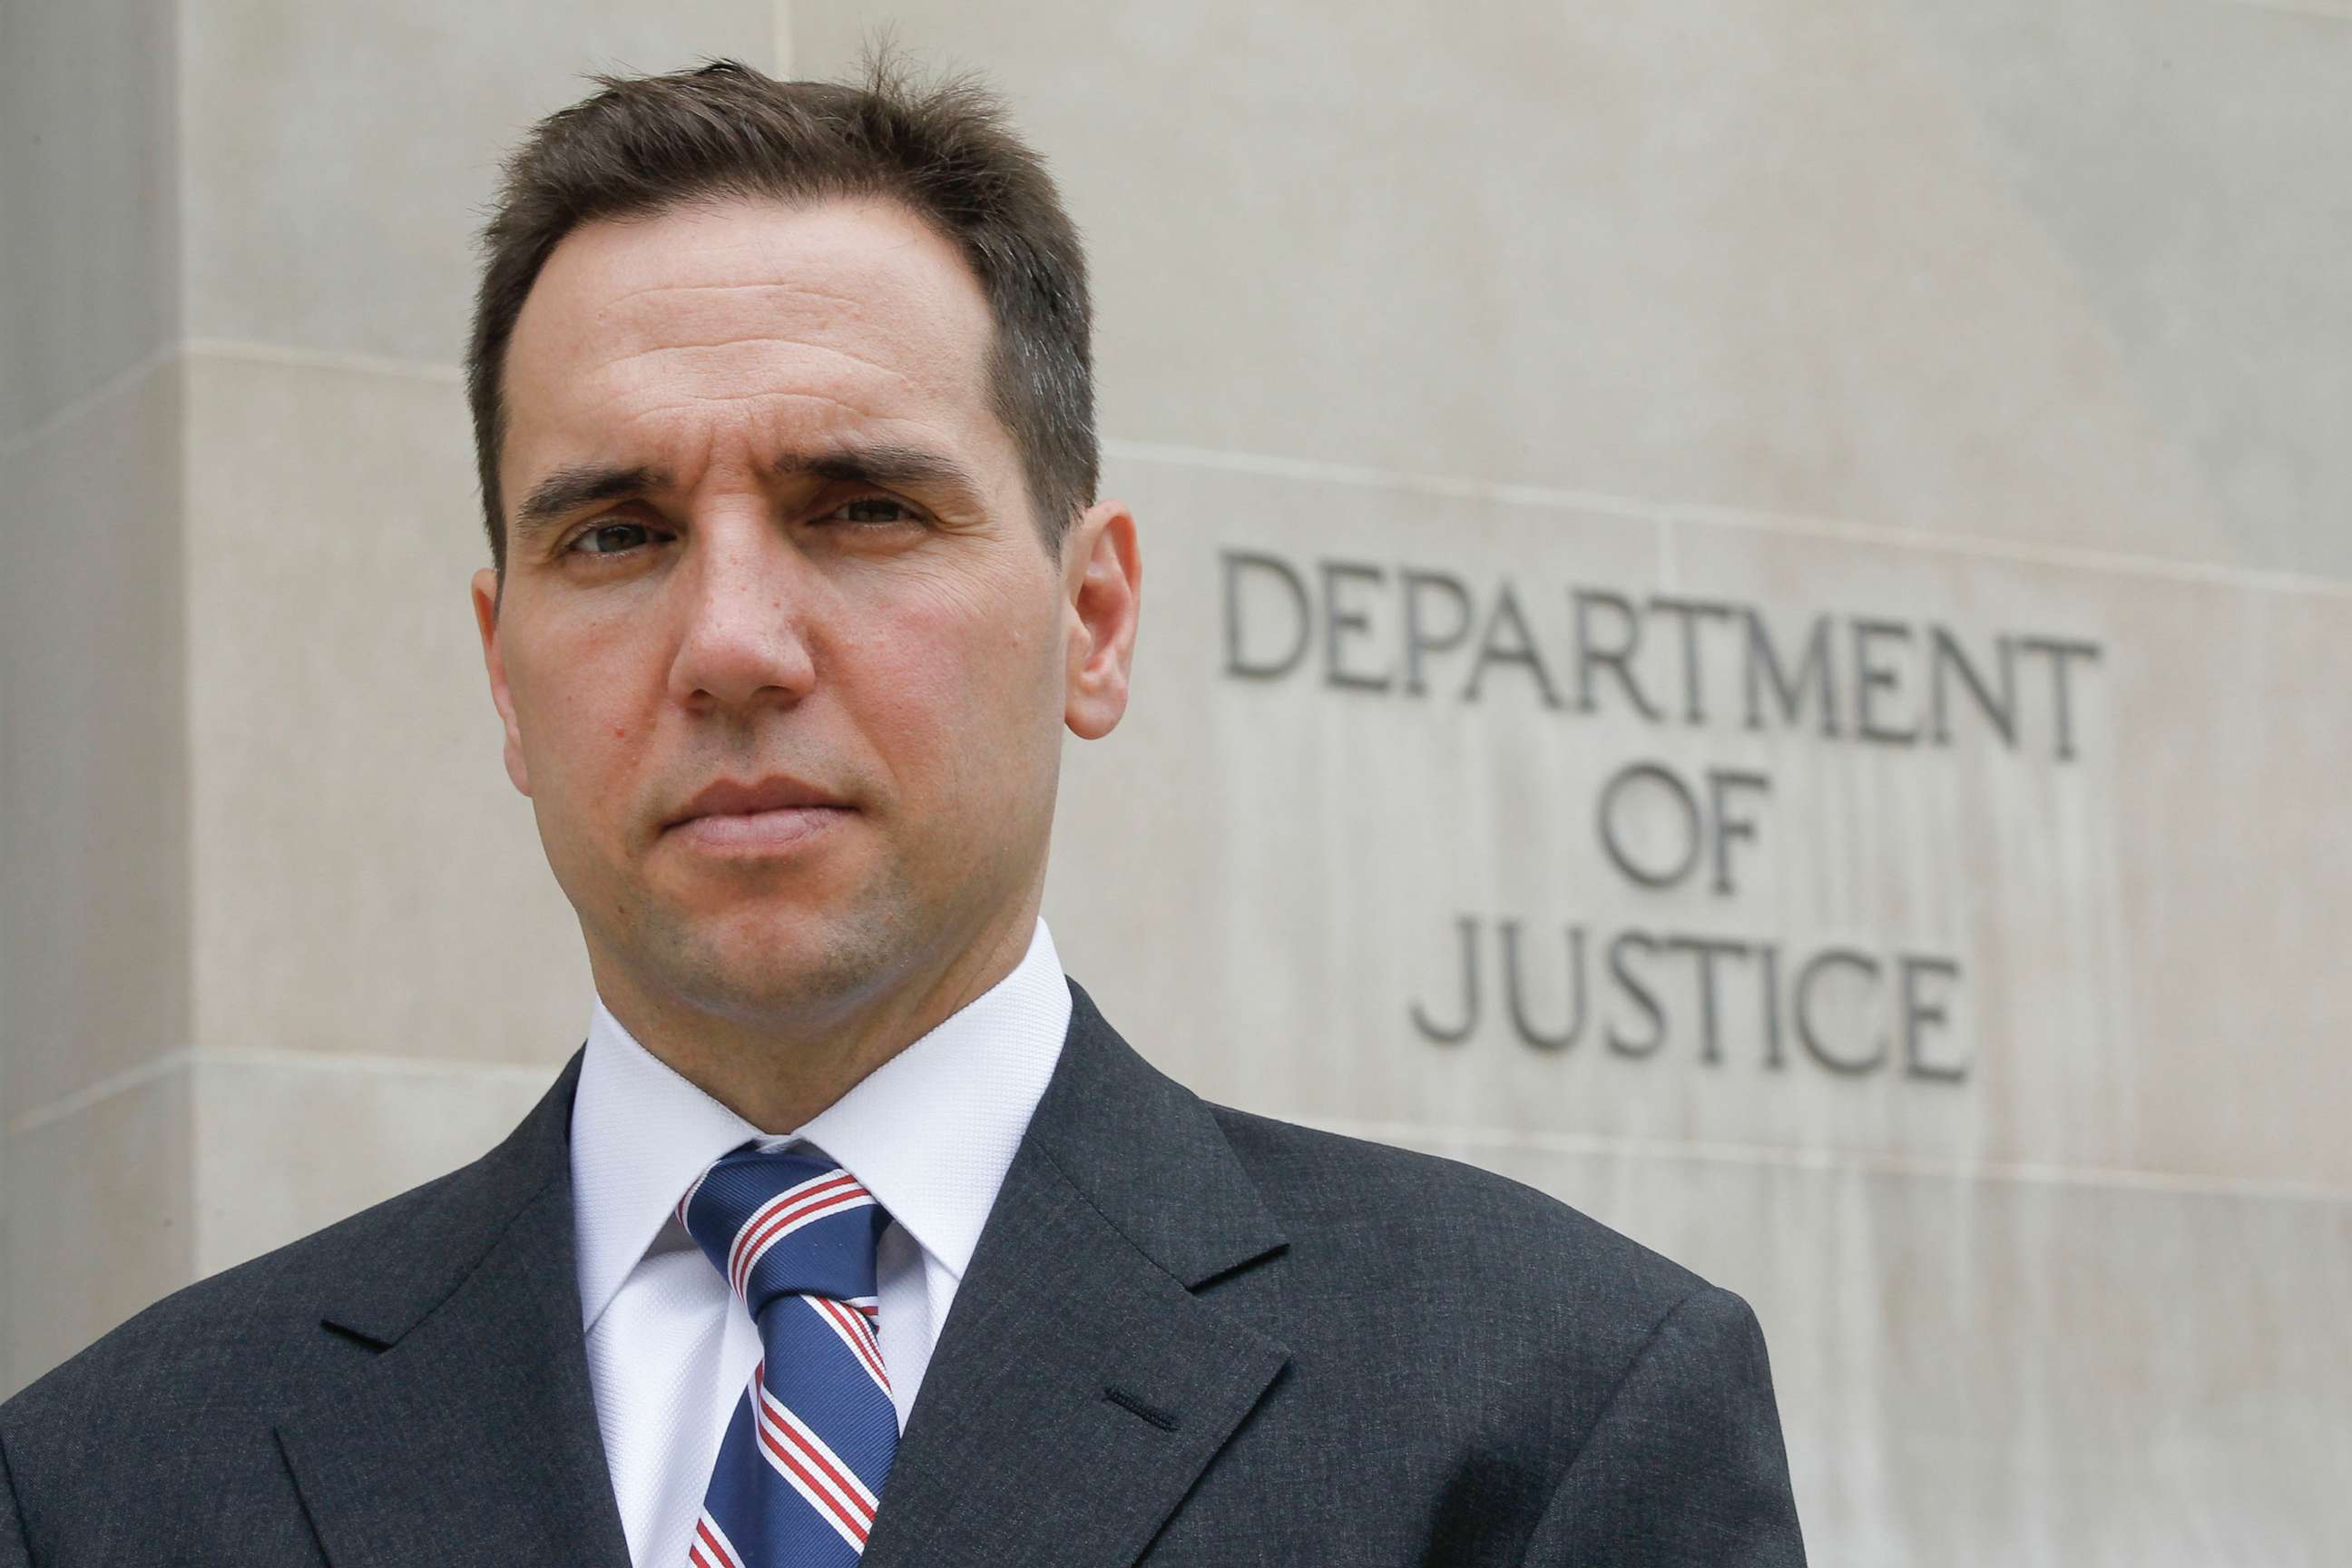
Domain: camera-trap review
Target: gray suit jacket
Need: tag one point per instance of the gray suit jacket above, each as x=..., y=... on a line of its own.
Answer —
x=1189, y=1336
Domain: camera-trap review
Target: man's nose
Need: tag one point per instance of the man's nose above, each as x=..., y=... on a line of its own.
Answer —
x=747, y=598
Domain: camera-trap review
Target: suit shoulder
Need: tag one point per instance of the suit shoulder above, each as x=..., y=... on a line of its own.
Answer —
x=1402, y=1214
x=239, y=1338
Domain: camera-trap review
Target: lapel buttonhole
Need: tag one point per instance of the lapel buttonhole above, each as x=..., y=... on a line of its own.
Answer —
x=1144, y=1408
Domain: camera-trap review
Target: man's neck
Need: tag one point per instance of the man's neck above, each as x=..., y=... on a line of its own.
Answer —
x=778, y=1072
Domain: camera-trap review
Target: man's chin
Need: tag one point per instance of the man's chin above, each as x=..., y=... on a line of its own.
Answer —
x=798, y=969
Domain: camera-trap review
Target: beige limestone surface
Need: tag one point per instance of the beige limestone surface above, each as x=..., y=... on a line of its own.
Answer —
x=88, y=229
x=338, y=158
x=1993, y=270
x=98, y=1219
x=94, y=766
x=1266, y=875
x=376, y=882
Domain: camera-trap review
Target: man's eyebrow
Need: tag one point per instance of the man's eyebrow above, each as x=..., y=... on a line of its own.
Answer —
x=885, y=465
x=568, y=489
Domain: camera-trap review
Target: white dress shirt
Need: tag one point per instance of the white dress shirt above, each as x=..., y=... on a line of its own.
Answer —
x=931, y=1133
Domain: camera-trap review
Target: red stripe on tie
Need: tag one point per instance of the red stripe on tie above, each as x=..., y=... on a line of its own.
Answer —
x=850, y=1487
x=816, y=1209
x=778, y=1207
x=702, y=1529
x=849, y=1521
x=861, y=1332
x=788, y=1198
x=807, y=1210
x=853, y=1329
x=782, y=1211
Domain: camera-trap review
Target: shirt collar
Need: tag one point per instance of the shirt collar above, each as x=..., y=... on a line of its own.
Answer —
x=930, y=1132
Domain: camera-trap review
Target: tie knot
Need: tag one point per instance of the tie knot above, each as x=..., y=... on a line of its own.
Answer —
x=785, y=1223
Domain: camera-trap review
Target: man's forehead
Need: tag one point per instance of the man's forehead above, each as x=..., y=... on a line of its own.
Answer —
x=854, y=299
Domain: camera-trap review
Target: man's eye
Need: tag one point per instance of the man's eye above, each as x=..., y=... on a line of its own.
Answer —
x=873, y=509
x=611, y=539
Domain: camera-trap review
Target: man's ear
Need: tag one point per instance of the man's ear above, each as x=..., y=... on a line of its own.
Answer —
x=486, y=617
x=1102, y=586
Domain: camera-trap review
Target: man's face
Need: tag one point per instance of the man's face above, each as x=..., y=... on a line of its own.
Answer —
x=766, y=537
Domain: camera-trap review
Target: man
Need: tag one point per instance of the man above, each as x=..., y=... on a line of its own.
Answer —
x=855, y=1230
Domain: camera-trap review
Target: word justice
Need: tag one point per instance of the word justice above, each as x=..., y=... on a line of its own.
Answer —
x=1638, y=995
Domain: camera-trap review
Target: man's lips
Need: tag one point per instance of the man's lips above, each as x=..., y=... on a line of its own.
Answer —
x=759, y=830
x=732, y=797
x=768, y=813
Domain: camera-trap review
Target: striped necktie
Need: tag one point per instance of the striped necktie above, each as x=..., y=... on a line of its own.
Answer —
x=804, y=1457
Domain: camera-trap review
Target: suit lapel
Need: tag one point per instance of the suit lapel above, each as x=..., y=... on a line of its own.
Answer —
x=469, y=1433
x=1083, y=1380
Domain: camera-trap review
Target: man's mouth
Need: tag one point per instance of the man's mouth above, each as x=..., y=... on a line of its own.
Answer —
x=774, y=811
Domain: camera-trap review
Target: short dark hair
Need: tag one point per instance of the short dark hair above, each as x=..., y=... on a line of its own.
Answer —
x=649, y=143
